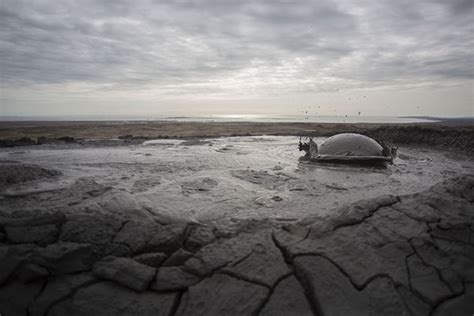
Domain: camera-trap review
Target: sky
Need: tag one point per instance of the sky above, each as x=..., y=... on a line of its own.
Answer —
x=327, y=57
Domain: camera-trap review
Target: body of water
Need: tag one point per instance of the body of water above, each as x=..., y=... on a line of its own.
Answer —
x=231, y=118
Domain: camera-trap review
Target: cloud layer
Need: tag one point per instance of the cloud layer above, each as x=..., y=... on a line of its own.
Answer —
x=234, y=48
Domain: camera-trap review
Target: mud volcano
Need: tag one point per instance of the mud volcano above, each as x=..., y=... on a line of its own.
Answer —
x=349, y=148
x=236, y=225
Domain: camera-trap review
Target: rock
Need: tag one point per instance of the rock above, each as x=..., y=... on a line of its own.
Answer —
x=107, y=298
x=199, y=237
x=32, y=272
x=65, y=257
x=287, y=299
x=222, y=295
x=178, y=258
x=41, y=235
x=92, y=229
x=33, y=220
x=137, y=234
x=173, y=279
x=426, y=282
x=151, y=259
x=125, y=271
x=168, y=239
x=57, y=289
x=334, y=293
x=460, y=305
x=265, y=265
x=15, y=297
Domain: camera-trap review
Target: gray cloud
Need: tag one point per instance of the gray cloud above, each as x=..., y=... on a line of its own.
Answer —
x=216, y=46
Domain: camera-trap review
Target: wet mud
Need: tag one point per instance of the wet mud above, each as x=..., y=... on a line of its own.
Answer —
x=217, y=181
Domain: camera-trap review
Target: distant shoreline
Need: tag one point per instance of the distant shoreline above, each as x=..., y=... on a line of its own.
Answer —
x=332, y=119
x=61, y=120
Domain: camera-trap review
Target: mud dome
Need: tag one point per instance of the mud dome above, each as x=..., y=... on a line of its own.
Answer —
x=220, y=181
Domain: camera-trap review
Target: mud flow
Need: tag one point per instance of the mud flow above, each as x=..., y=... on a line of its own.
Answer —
x=218, y=181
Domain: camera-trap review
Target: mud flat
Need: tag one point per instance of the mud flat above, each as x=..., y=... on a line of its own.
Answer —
x=233, y=225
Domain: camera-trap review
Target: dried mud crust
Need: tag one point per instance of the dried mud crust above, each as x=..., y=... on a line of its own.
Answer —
x=393, y=255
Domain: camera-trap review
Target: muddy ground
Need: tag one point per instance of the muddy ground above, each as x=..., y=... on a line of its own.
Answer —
x=233, y=226
x=218, y=181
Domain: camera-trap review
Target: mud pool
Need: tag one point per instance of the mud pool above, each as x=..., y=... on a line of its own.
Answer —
x=219, y=181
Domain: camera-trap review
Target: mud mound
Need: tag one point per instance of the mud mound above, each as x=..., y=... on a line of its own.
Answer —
x=14, y=174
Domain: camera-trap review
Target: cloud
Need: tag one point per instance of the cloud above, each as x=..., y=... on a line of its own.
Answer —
x=234, y=47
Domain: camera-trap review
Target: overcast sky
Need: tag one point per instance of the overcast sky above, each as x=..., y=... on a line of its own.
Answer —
x=381, y=57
